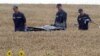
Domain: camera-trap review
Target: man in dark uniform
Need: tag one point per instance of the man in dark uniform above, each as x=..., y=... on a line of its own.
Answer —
x=59, y=24
x=83, y=20
x=19, y=19
x=61, y=17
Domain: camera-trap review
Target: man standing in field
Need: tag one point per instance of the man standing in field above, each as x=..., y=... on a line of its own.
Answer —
x=19, y=19
x=83, y=20
x=61, y=17
x=59, y=24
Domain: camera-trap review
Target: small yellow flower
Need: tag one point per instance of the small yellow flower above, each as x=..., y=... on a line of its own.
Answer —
x=9, y=53
x=21, y=53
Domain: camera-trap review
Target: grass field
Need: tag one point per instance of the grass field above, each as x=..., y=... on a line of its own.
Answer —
x=71, y=42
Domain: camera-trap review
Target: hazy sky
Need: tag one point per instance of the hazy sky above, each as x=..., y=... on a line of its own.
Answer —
x=52, y=1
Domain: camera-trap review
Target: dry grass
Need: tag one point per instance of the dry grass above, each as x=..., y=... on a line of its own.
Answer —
x=71, y=42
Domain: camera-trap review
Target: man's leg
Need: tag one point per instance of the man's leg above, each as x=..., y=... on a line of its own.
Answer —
x=16, y=28
x=86, y=26
x=80, y=27
x=22, y=28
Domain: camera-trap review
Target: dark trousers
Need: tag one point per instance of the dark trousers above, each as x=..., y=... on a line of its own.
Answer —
x=20, y=28
x=83, y=26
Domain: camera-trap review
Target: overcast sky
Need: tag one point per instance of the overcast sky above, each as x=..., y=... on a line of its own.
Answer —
x=52, y=1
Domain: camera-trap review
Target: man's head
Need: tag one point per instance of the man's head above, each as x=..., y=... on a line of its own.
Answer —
x=15, y=8
x=80, y=11
x=59, y=6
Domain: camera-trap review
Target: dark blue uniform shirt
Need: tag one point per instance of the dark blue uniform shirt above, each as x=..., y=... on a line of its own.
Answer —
x=61, y=17
x=19, y=21
x=83, y=21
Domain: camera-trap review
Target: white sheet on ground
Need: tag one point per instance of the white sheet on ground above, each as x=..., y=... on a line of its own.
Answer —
x=48, y=27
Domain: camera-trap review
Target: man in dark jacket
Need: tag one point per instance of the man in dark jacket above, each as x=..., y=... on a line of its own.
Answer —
x=19, y=19
x=61, y=17
x=83, y=20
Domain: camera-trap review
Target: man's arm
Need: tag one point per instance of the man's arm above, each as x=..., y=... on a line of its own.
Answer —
x=64, y=17
x=78, y=19
x=24, y=18
x=89, y=18
x=13, y=17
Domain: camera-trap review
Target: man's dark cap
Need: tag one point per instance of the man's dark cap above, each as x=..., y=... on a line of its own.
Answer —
x=15, y=6
x=80, y=10
x=59, y=4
